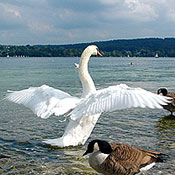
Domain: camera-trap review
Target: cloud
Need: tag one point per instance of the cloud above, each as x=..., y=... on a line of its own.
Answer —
x=134, y=10
x=10, y=16
x=89, y=6
x=140, y=11
x=65, y=21
x=171, y=15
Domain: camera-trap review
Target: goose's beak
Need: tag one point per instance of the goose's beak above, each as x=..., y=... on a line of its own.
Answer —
x=98, y=52
x=85, y=153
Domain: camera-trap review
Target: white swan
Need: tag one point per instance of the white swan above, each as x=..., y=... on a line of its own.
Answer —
x=84, y=112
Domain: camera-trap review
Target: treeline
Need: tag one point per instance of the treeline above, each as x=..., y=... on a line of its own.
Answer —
x=117, y=48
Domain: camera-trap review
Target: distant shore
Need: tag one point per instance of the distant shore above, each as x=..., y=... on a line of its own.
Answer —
x=146, y=47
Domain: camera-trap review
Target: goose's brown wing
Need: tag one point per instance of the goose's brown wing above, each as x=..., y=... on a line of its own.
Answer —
x=172, y=95
x=127, y=160
x=170, y=106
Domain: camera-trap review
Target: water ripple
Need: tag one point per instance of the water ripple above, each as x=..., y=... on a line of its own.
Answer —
x=22, y=132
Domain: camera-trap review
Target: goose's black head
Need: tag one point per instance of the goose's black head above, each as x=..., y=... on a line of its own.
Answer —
x=162, y=91
x=102, y=145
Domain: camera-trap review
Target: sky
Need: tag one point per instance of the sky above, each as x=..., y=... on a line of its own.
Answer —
x=33, y=22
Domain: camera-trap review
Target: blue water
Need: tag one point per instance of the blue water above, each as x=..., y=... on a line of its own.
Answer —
x=21, y=132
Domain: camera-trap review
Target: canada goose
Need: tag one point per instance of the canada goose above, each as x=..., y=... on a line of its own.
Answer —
x=120, y=159
x=170, y=106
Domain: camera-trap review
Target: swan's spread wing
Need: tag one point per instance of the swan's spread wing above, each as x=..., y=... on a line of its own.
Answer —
x=117, y=97
x=44, y=100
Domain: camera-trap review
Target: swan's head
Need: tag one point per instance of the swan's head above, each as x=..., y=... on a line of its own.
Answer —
x=93, y=50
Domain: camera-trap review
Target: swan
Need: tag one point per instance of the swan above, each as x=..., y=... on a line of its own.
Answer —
x=171, y=106
x=120, y=159
x=83, y=112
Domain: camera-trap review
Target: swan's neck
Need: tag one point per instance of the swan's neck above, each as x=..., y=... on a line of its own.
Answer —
x=86, y=80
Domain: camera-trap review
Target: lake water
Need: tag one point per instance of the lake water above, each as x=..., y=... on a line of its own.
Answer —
x=21, y=132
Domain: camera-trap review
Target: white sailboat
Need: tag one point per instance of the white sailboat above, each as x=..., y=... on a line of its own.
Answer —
x=156, y=56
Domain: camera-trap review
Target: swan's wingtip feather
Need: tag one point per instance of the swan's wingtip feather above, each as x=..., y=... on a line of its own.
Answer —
x=10, y=91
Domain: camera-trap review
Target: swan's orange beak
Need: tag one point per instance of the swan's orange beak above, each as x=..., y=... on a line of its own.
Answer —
x=98, y=52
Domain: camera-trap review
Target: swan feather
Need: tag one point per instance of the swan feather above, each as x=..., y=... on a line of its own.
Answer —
x=116, y=98
x=44, y=101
